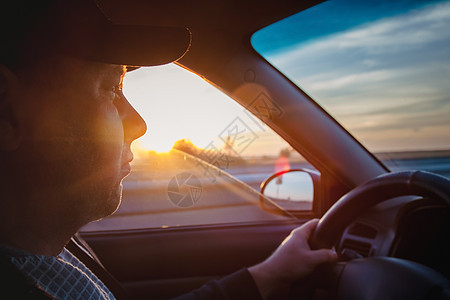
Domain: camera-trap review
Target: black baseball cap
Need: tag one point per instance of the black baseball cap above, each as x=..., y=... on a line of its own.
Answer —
x=34, y=29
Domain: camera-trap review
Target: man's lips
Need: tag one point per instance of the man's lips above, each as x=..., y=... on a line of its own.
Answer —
x=128, y=155
x=126, y=167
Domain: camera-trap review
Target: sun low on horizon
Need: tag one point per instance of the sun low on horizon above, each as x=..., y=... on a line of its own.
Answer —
x=164, y=96
x=179, y=105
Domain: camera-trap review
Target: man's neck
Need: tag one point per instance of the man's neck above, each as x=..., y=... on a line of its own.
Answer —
x=32, y=248
x=22, y=229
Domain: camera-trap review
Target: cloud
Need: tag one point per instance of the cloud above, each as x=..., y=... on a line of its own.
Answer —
x=388, y=75
x=393, y=33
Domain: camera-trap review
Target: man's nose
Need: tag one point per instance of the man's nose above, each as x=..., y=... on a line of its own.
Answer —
x=134, y=125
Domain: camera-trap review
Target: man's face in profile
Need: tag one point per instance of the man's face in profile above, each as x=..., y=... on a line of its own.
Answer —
x=76, y=128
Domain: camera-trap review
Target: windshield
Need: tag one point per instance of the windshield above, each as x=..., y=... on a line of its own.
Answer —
x=381, y=68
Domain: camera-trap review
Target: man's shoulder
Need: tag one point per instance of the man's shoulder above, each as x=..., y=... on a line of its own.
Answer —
x=15, y=285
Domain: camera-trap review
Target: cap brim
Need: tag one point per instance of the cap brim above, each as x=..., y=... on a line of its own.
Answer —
x=133, y=45
x=79, y=28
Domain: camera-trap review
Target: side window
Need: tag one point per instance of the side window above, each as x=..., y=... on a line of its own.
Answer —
x=202, y=160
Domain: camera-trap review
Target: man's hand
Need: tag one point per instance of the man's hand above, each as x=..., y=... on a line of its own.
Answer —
x=292, y=260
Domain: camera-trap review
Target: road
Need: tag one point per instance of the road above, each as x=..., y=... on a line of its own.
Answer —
x=440, y=165
x=147, y=204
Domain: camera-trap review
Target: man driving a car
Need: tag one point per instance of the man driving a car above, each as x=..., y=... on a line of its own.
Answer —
x=65, y=135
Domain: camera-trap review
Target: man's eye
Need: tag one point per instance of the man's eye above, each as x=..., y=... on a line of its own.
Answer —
x=117, y=89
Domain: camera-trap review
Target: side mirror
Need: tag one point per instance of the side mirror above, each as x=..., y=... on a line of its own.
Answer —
x=291, y=190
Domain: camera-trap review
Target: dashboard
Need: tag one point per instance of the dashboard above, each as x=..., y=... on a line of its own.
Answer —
x=407, y=227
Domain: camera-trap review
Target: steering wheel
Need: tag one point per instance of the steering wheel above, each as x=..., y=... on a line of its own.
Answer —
x=381, y=277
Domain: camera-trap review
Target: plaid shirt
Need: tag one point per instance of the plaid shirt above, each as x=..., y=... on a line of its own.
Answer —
x=62, y=277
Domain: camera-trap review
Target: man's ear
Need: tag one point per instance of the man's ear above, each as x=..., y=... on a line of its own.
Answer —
x=9, y=131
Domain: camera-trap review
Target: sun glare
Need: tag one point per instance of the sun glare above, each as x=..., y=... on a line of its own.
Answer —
x=177, y=104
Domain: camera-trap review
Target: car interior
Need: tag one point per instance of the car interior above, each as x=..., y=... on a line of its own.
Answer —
x=390, y=229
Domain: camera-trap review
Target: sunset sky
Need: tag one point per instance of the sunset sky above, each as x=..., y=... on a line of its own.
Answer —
x=177, y=104
x=383, y=69
x=384, y=75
